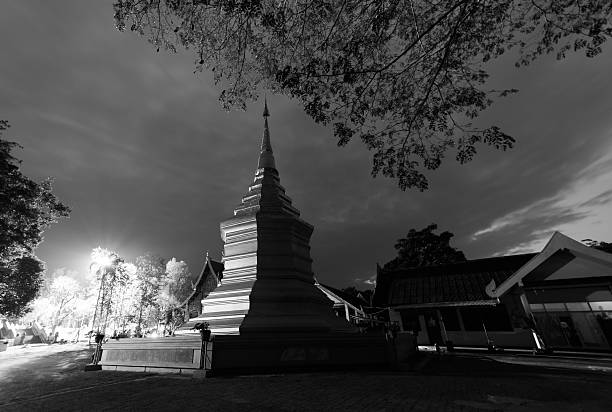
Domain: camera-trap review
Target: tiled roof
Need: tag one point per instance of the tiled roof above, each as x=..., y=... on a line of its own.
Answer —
x=457, y=282
x=204, y=279
x=218, y=268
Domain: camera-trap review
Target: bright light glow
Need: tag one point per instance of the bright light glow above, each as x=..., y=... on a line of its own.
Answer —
x=102, y=257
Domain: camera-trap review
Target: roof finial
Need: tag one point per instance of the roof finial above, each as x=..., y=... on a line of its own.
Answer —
x=266, y=158
x=266, y=113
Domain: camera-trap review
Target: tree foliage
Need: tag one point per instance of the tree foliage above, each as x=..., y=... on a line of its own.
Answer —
x=178, y=282
x=176, y=289
x=425, y=248
x=20, y=281
x=64, y=294
x=111, y=278
x=407, y=77
x=27, y=208
x=603, y=246
x=150, y=277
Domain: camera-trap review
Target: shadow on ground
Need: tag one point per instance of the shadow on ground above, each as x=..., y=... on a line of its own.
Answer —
x=445, y=383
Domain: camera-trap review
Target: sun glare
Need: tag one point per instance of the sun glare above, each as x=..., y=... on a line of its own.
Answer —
x=102, y=257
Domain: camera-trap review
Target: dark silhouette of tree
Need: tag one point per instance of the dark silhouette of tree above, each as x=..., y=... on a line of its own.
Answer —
x=604, y=246
x=425, y=248
x=27, y=208
x=407, y=77
x=20, y=281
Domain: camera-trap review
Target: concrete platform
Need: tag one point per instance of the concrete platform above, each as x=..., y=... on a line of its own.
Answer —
x=180, y=354
x=293, y=352
x=240, y=354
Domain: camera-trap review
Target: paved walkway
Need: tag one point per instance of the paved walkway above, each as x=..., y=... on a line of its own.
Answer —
x=51, y=378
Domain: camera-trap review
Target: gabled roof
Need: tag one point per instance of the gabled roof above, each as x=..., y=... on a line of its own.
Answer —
x=211, y=268
x=446, y=285
x=354, y=301
x=558, y=252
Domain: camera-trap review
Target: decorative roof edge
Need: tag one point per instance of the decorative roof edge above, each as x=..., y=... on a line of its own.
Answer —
x=557, y=241
x=207, y=263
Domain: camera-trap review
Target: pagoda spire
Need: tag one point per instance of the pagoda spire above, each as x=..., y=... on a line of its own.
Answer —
x=266, y=156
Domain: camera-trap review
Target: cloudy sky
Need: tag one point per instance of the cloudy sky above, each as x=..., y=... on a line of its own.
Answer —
x=148, y=161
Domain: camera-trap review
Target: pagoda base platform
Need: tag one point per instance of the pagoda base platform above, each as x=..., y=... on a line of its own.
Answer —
x=250, y=354
x=179, y=354
x=268, y=353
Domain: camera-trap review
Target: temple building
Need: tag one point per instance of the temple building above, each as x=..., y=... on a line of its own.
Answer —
x=560, y=298
x=210, y=277
x=267, y=284
x=352, y=308
x=261, y=303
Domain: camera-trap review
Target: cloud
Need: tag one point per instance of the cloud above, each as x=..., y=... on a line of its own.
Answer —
x=371, y=281
x=147, y=159
x=566, y=211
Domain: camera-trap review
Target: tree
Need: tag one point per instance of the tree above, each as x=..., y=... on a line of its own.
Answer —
x=178, y=278
x=603, y=246
x=63, y=296
x=127, y=298
x=20, y=281
x=424, y=248
x=150, y=276
x=63, y=301
x=27, y=208
x=176, y=289
x=111, y=275
x=405, y=76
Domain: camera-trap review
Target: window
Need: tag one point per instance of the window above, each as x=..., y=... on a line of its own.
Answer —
x=536, y=307
x=555, y=307
x=578, y=307
x=601, y=306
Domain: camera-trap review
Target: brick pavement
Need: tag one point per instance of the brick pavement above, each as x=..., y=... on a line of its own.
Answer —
x=450, y=383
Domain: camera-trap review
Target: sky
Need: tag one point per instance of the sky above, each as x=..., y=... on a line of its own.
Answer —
x=148, y=160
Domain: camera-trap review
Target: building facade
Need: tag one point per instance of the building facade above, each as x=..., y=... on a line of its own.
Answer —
x=560, y=298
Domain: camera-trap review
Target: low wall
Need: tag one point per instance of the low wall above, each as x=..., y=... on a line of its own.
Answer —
x=179, y=354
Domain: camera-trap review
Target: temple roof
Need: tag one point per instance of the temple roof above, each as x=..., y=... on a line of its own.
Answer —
x=211, y=273
x=451, y=284
x=350, y=299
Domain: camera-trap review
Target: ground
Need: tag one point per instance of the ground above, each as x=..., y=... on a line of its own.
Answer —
x=52, y=378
